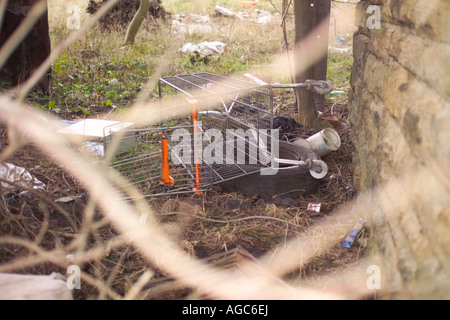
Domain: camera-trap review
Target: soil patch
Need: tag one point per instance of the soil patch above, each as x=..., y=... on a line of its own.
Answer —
x=203, y=226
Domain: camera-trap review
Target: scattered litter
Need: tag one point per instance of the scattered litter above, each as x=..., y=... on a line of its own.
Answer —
x=227, y=12
x=97, y=132
x=8, y=199
x=191, y=24
x=285, y=124
x=192, y=18
x=350, y=238
x=69, y=198
x=67, y=122
x=249, y=3
x=340, y=40
x=263, y=16
x=337, y=92
x=325, y=141
x=96, y=148
x=194, y=28
x=314, y=207
x=34, y=287
x=339, y=50
x=205, y=48
x=258, y=16
x=143, y=218
x=54, y=124
x=13, y=176
x=330, y=119
x=95, y=128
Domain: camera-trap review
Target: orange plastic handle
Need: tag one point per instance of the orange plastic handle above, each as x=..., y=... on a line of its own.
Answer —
x=193, y=103
x=165, y=179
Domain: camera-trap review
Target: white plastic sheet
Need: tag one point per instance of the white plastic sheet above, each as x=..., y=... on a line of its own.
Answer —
x=33, y=287
x=13, y=177
x=97, y=148
x=190, y=23
x=205, y=48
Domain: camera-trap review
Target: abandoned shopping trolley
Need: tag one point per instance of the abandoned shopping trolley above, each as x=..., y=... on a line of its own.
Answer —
x=229, y=135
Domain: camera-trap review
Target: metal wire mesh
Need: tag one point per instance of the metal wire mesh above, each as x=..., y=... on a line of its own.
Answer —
x=237, y=115
x=142, y=164
x=228, y=137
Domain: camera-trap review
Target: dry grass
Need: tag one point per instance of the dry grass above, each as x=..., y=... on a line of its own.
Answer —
x=199, y=227
x=121, y=257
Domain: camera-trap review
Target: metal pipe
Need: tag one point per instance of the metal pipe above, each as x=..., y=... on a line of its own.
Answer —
x=317, y=168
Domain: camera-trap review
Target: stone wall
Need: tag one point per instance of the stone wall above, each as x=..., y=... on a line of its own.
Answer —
x=400, y=113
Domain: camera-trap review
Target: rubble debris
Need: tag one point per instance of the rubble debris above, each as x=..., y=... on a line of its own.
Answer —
x=191, y=24
x=258, y=16
x=227, y=12
x=262, y=16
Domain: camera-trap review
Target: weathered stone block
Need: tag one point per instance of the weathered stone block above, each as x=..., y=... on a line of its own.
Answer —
x=374, y=72
x=400, y=113
x=429, y=19
x=361, y=16
x=412, y=227
x=394, y=91
x=380, y=44
x=360, y=42
x=425, y=59
x=441, y=138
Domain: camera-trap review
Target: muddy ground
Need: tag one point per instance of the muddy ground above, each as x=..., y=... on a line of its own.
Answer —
x=204, y=226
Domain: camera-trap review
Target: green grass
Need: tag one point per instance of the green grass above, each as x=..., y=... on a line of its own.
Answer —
x=338, y=74
x=97, y=73
x=339, y=69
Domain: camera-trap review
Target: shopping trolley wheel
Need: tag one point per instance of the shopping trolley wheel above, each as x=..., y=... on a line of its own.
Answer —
x=285, y=182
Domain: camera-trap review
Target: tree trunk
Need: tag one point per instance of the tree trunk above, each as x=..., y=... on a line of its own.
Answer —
x=137, y=21
x=320, y=13
x=33, y=50
x=309, y=14
x=307, y=112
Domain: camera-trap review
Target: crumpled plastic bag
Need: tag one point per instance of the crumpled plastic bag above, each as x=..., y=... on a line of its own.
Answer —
x=206, y=48
x=97, y=148
x=34, y=287
x=191, y=24
x=13, y=177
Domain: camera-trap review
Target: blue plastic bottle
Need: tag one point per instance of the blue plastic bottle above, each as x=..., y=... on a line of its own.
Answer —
x=350, y=238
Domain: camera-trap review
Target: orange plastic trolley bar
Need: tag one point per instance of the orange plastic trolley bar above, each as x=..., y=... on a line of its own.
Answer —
x=165, y=179
x=193, y=103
